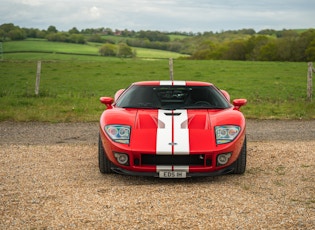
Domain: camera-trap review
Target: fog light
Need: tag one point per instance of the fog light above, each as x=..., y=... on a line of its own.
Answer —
x=222, y=159
x=122, y=158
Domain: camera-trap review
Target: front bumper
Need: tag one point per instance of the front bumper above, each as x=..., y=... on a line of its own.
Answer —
x=227, y=170
x=194, y=165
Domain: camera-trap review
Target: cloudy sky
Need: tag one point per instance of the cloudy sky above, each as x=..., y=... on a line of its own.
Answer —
x=163, y=15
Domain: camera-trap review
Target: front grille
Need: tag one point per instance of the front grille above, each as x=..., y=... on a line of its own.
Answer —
x=193, y=160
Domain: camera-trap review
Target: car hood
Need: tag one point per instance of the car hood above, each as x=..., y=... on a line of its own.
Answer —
x=173, y=131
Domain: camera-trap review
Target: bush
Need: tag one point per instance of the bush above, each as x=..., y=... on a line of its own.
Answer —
x=108, y=50
x=124, y=51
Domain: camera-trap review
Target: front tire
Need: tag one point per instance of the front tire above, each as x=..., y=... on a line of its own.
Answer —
x=103, y=162
x=240, y=164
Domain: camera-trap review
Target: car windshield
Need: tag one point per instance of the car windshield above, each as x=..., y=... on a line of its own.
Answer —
x=172, y=97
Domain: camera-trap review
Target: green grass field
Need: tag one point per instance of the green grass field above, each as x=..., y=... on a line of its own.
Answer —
x=71, y=85
x=50, y=50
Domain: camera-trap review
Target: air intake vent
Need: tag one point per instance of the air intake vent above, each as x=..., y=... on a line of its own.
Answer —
x=172, y=114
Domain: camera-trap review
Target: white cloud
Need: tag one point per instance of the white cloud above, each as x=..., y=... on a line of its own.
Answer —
x=31, y=2
x=95, y=12
x=165, y=15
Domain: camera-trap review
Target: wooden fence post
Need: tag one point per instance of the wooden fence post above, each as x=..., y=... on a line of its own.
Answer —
x=310, y=72
x=39, y=67
x=171, y=69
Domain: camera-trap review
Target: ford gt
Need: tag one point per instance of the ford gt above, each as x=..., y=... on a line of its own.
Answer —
x=172, y=129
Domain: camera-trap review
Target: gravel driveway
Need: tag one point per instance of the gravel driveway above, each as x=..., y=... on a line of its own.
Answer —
x=49, y=179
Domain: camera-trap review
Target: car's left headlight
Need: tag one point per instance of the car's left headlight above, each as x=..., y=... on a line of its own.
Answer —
x=226, y=133
x=118, y=133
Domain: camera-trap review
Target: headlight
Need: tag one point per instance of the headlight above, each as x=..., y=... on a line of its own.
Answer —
x=227, y=133
x=118, y=133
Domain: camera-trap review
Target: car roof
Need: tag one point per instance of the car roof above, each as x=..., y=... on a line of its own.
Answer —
x=173, y=83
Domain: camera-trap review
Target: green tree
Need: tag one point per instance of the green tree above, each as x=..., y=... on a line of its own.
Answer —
x=286, y=33
x=74, y=30
x=236, y=51
x=124, y=51
x=17, y=34
x=154, y=36
x=41, y=34
x=175, y=46
x=77, y=38
x=52, y=29
x=310, y=51
x=267, y=32
x=204, y=51
x=108, y=50
x=284, y=49
x=95, y=38
x=2, y=35
x=57, y=37
x=306, y=43
x=6, y=29
x=253, y=46
x=268, y=52
x=30, y=33
x=108, y=31
x=247, y=31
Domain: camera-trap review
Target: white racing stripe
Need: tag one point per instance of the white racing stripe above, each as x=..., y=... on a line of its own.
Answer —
x=163, y=168
x=172, y=83
x=166, y=83
x=181, y=132
x=164, y=133
x=172, y=132
x=182, y=168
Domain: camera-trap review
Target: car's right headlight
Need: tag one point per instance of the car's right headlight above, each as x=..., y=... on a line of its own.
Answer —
x=226, y=133
x=118, y=133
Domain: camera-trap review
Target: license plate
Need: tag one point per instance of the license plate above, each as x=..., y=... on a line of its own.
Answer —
x=172, y=174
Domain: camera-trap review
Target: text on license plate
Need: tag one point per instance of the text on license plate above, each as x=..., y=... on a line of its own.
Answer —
x=172, y=174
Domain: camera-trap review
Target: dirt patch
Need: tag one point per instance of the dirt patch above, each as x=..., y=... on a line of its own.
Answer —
x=50, y=180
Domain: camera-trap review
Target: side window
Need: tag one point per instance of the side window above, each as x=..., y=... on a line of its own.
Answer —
x=126, y=99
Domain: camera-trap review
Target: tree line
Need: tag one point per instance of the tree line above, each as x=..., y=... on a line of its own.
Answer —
x=243, y=44
x=286, y=46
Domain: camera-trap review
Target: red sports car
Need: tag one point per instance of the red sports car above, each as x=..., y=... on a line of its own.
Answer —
x=172, y=129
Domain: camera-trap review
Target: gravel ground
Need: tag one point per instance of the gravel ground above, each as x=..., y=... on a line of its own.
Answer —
x=49, y=179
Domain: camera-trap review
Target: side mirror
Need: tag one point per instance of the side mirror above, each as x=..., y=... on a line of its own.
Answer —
x=238, y=103
x=108, y=101
x=226, y=95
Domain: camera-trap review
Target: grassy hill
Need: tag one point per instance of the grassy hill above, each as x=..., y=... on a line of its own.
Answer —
x=73, y=77
x=15, y=49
